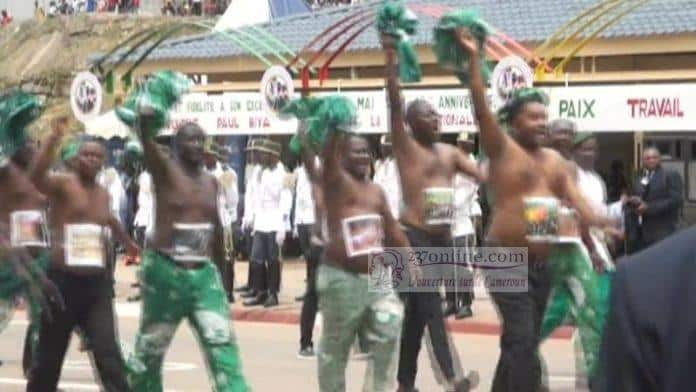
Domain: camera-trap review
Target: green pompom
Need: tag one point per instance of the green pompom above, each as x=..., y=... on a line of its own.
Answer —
x=17, y=110
x=334, y=113
x=449, y=54
x=301, y=108
x=398, y=21
x=160, y=92
x=519, y=98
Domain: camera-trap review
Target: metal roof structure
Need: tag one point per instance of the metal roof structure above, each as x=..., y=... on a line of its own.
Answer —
x=522, y=20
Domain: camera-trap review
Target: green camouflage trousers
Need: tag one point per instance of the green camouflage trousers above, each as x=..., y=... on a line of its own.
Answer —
x=12, y=287
x=170, y=294
x=349, y=308
x=581, y=293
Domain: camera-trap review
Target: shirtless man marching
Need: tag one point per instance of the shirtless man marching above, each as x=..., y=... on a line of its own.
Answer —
x=22, y=205
x=349, y=305
x=427, y=169
x=520, y=168
x=78, y=219
x=179, y=278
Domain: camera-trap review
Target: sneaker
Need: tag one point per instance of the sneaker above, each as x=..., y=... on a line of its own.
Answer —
x=271, y=301
x=306, y=353
x=467, y=383
x=463, y=312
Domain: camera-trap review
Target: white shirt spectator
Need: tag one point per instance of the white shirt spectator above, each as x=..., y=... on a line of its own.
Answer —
x=387, y=177
x=304, y=204
x=229, y=194
x=145, y=216
x=110, y=180
x=465, y=201
x=271, y=209
x=252, y=183
x=594, y=190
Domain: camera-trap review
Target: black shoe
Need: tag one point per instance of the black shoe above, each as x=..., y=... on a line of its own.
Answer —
x=134, y=298
x=242, y=289
x=256, y=301
x=464, y=312
x=300, y=298
x=448, y=309
x=230, y=298
x=306, y=353
x=404, y=389
x=271, y=301
x=249, y=294
x=467, y=383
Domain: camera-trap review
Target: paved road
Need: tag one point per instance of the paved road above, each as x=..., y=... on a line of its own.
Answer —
x=269, y=359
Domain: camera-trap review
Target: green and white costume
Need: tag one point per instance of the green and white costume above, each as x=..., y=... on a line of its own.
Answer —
x=12, y=287
x=351, y=307
x=170, y=294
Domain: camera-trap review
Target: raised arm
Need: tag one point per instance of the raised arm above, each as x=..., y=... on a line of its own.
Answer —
x=44, y=182
x=332, y=170
x=156, y=161
x=401, y=141
x=308, y=156
x=492, y=137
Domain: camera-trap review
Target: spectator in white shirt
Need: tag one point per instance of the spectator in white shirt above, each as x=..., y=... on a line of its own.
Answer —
x=387, y=176
x=466, y=209
x=304, y=214
x=270, y=220
x=252, y=175
x=215, y=158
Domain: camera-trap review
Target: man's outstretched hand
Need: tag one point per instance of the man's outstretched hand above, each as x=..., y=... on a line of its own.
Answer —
x=466, y=41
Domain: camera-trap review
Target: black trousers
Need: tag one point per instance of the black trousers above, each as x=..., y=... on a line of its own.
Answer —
x=265, y=264
x=304, y=234
x=310, y=302
x=89, y=306
x=423, y=309
x=519, y=365
x=461, y=297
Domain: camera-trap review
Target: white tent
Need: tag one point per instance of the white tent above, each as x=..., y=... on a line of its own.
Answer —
x=242, y=13
x=107, y=126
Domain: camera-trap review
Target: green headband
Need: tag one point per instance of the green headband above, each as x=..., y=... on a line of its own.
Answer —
x=581, y=137
x=70, y=149
x=520, y=98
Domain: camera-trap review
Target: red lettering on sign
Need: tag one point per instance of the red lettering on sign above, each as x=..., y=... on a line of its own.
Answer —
x=655, y=107
x=227, y=122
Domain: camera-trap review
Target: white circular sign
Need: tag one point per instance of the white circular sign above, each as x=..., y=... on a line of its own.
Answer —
x=85, y=96
x=510, y=74
x=277, y=89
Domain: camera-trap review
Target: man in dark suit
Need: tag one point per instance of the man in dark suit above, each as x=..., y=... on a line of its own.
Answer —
x=653, y=210
x=650, y=334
